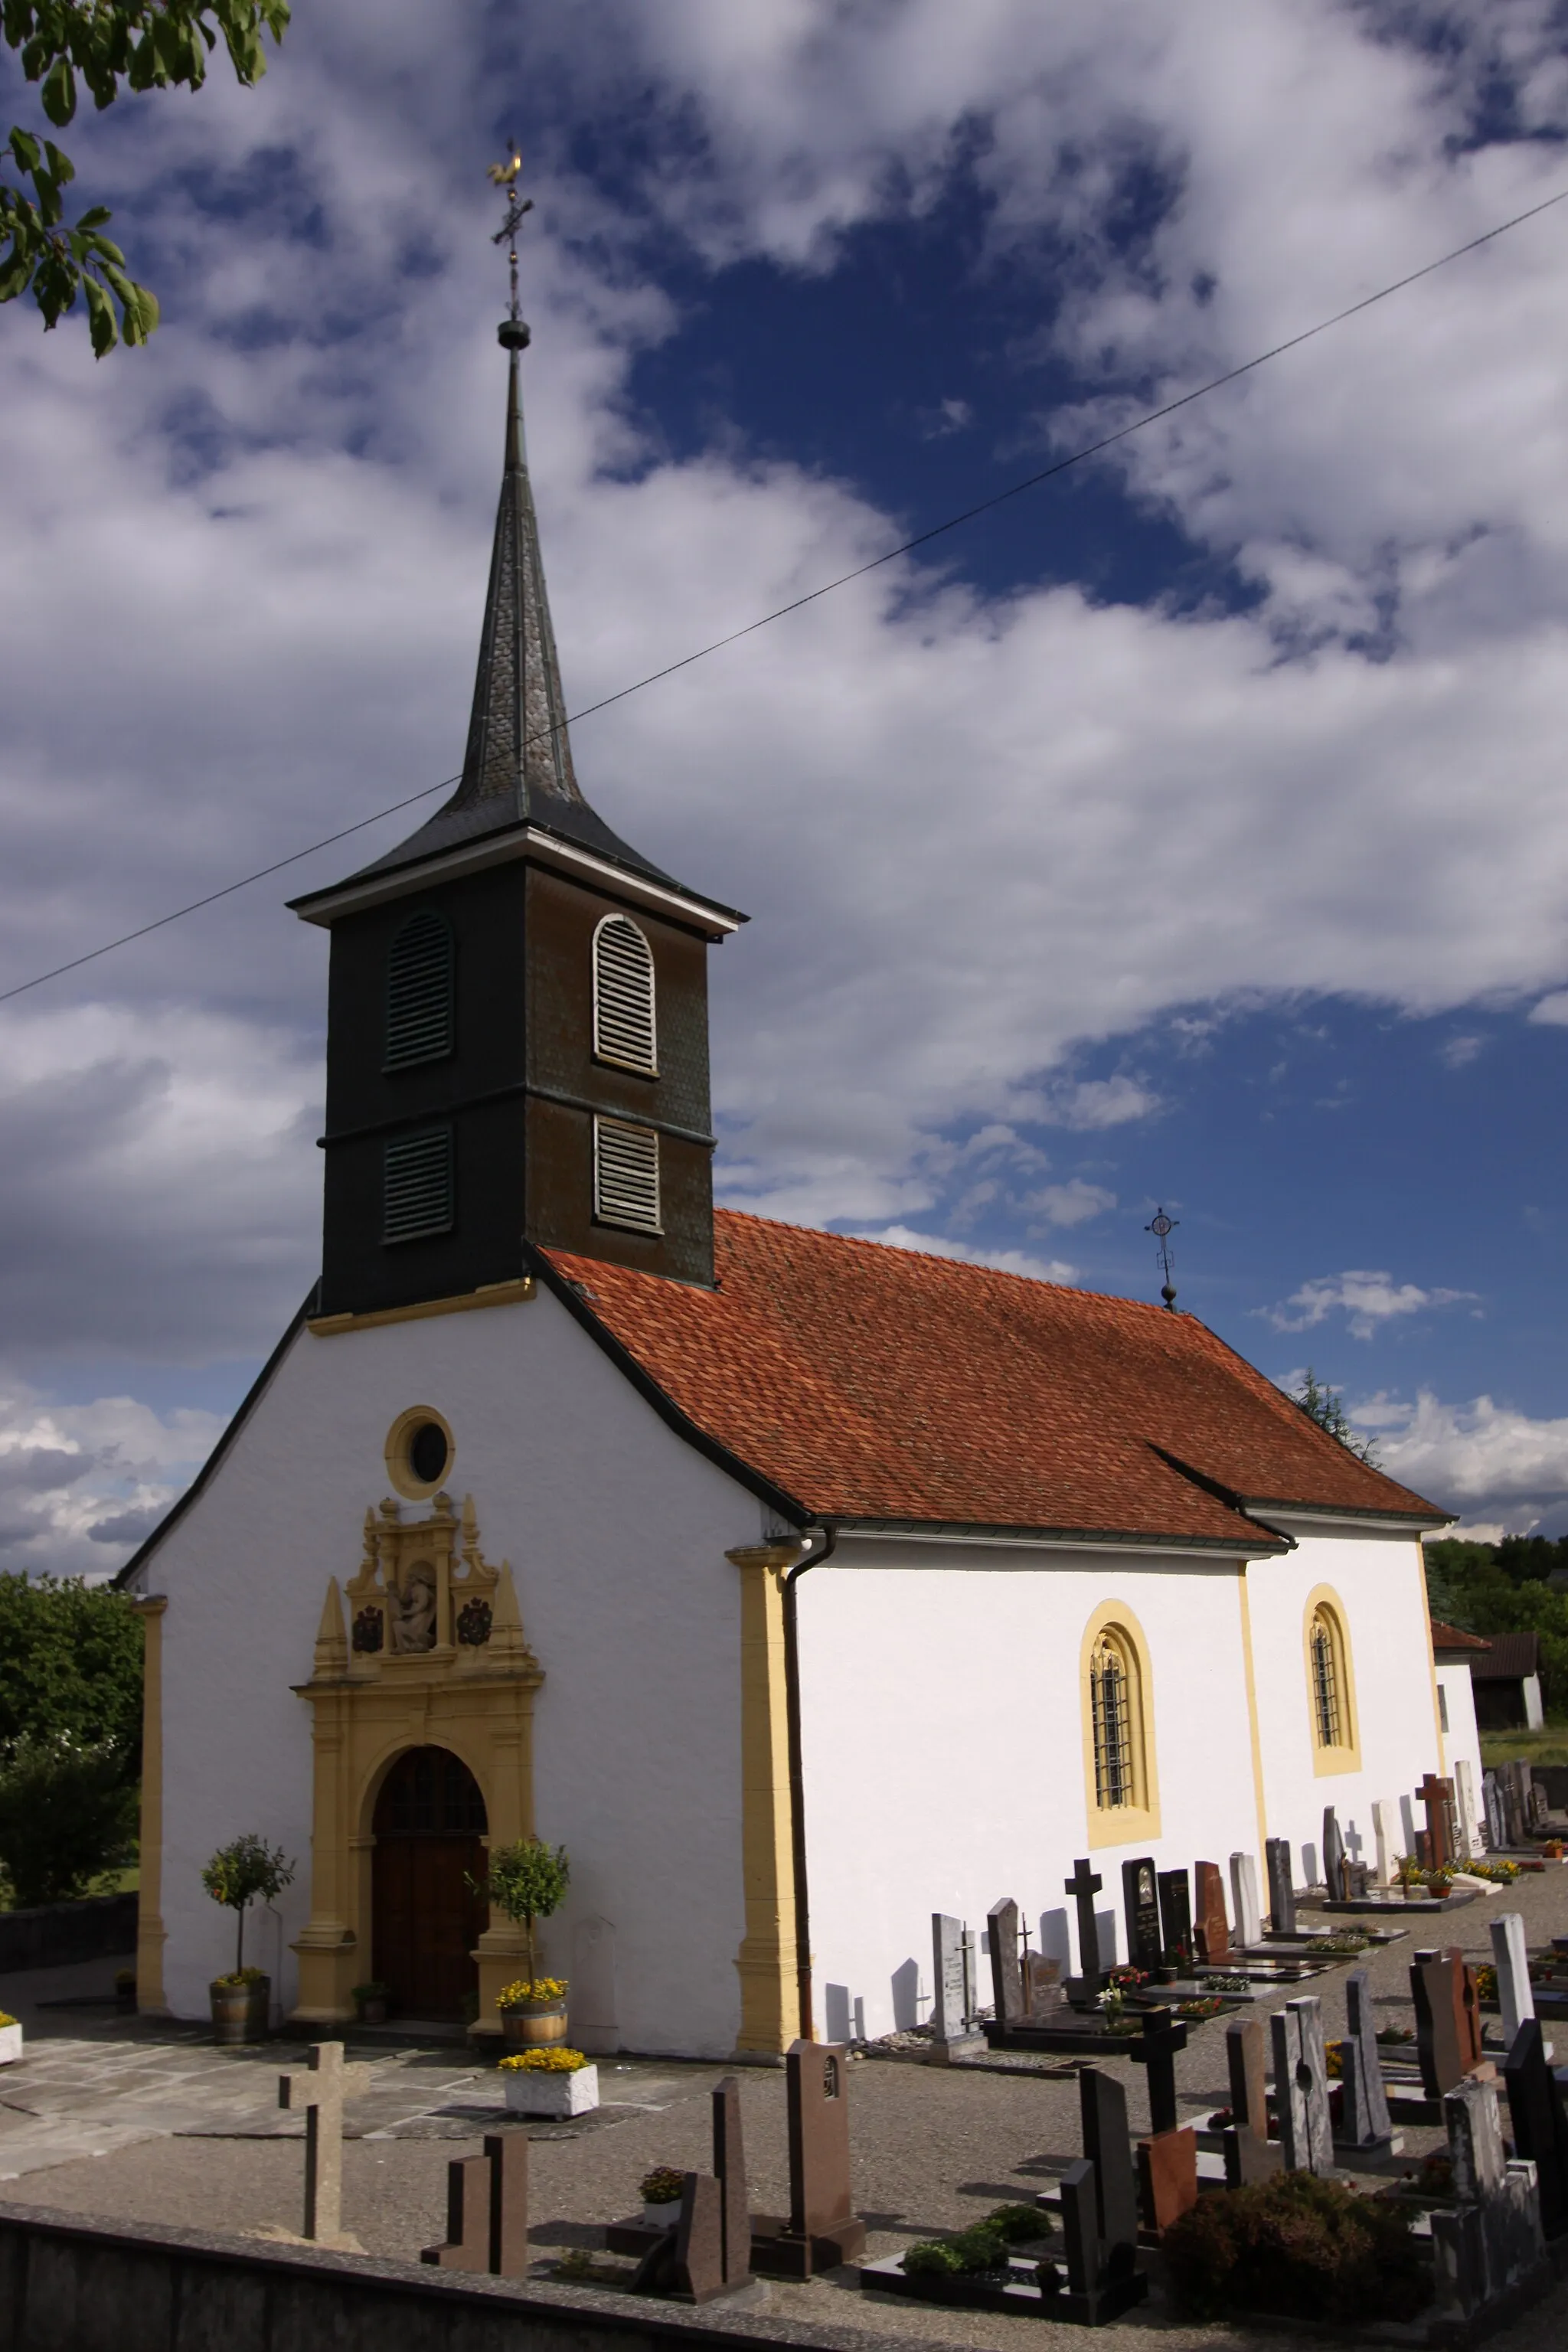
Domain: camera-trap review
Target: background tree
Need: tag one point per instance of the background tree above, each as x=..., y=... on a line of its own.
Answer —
x=71, y=1665
x=106, y=45
x=68, y=1813
x=1517, y=1586
x=1329, y=1411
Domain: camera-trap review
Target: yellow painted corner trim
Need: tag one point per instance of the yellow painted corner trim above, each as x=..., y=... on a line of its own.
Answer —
x=150, y=1936
x=1137, y=1823
x=768, y=1961
x=1345, y=1756
x=490, y=1294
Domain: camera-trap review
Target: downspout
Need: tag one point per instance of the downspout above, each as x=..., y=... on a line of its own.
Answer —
x=820, y=1545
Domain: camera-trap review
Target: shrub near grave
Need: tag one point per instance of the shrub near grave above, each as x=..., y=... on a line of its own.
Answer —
x=1299, y=2247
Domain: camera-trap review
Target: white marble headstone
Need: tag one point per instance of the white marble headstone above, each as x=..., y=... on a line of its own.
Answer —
x=1385, y=1839
x=1515, y=1997
x=1244, y=1898
x=1301, y=2086
x=1470, y=1839
x=947, y=1974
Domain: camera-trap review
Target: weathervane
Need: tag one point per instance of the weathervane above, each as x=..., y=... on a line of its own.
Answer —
x=1163, y=1227
x=503, y=177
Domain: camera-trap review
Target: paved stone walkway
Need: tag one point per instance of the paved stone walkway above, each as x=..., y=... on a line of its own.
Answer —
x=193, y=2134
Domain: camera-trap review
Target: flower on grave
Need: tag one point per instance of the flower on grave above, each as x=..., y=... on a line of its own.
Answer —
x=1208, y=2006
x=240, y=1979
x=980, y=2250
x=7, y=2019
x=1389, y=2034
x=531, y=1992
x=1127, y=1979
x=1334, y=2059
x=1486, y=1982
x=552, y=2060
x=662, y=2186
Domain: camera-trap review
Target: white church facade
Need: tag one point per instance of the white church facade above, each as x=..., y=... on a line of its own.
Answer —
x=799, y=1586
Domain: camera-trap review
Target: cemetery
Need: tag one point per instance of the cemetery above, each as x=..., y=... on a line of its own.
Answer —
x=1364, y=2128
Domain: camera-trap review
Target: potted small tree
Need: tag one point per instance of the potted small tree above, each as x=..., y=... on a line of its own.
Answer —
x=528, y=1882
x=236, y=1877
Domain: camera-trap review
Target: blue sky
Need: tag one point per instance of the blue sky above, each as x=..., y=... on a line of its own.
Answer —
x=1190, y=829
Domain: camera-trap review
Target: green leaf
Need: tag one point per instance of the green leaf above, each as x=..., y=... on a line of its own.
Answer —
x=62, y=168
x=58, y=94
x=26, y=151
x=95, y=216
x=100, y=318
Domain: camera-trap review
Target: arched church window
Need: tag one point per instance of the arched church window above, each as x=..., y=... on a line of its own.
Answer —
x=419, y=992
x=1326, y=1651
x=1116, y=1716
x=624, y=1029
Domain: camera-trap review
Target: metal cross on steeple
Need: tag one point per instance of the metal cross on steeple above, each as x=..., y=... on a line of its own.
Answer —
x=1163, y=1227
x=504, y=178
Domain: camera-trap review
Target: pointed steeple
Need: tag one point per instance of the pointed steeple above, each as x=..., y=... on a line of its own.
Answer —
x=518, y=752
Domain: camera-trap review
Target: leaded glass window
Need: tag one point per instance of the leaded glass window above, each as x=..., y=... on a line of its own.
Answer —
x=1110, y=1702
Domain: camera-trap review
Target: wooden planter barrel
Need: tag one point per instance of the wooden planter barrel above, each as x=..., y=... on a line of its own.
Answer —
x=240, y=2011
x=534, y=2026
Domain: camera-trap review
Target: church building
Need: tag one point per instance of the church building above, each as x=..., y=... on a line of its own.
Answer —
x=799, y=1586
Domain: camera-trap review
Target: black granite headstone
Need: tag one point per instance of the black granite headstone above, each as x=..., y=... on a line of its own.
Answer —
x=1107, y=2144
x=1539, y=2120
x=1141, y=1909
x=1333, y=1855
x=1281, y=1888
x=1175, y=1917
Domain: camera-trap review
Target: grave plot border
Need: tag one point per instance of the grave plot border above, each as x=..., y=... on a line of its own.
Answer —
x=1021, y=2295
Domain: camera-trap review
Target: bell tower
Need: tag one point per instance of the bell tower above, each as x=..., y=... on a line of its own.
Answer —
x=517, y=1034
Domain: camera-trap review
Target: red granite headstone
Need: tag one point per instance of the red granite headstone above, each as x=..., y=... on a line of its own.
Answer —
x=1167, y=2178
x=1212, y=1933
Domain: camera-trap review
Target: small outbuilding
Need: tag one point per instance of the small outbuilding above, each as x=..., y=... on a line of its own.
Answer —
x=1506, y=1683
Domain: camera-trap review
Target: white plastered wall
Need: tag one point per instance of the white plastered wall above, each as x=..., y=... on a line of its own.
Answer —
x=616, y=1531
x=1379, y=1584
x=1462, y=1739
x=942, y=1747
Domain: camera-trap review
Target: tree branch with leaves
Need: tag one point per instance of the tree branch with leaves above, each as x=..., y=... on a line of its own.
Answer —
x=107, y=46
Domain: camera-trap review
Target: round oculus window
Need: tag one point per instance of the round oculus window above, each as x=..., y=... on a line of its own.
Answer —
x=429, y=1452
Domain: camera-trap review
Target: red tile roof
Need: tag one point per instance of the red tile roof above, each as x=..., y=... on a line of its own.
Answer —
x=1452, y=1637
x=868, y=1383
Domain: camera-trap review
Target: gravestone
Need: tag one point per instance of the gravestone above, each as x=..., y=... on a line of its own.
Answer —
x=1155, y=2051
x=1364, y=2101
x=1213, y=1935
x=1281, y=1888
x=1438, y=2047
x=1175, y=1917
x=1141, y=1909
x=693, y=2268
x=1492, y=1807
x=1301, y=2085
x=1465, y=1802
x=487, y=2210
x=1083, y=1887
x=1516, y=1995
x=1042, y=1987
x=1515, y=1787
x=1333, y=1855
x=823, y=2228
x=1536, y=1807
x=1244, y=1898
x=1248, y=2159
x=970, y=1973
x=1385, y=1841
x=949, y=2017
x=1103, y=2279
x=1167, y=2178
x=1493, y=2241
x=1539, y=2121
x=320, y=2086
x=1107, y=2142
x=1437, y=1797
x=730, y=2171
x=1007, y=1977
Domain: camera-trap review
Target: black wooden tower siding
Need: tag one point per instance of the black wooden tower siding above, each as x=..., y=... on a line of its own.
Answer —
x=469, y=1103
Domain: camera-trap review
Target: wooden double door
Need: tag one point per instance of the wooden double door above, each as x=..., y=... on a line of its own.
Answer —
x=426, y=1917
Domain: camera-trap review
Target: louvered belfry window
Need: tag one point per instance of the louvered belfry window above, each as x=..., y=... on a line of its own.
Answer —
x=624, y=1027
x=419, y=992
x=626, y=1176
x=416, y=1185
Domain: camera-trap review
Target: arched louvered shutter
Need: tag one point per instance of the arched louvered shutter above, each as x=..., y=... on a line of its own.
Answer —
x=419, y=992
x=626, y=1176
x=624, y=1027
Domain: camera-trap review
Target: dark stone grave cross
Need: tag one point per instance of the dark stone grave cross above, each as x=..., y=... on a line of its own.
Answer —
x=487, y=2210
x=1155, y=2051
x=1437, y=1796
x=1083, y=1887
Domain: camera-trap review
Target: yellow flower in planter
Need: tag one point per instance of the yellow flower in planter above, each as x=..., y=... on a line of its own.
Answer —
x=5, y=2019
x=550, y=2059
x=529, y=1992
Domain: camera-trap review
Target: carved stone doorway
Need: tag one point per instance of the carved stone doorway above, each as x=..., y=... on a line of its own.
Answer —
x=429, y=1828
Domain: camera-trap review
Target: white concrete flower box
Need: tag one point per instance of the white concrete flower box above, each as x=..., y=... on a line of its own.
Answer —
x=10, y=2044
x=531, y=2091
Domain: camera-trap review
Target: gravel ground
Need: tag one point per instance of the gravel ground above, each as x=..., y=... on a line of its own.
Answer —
x=933, y=2149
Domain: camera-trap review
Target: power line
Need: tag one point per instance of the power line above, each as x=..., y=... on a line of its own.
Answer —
x=797, y=604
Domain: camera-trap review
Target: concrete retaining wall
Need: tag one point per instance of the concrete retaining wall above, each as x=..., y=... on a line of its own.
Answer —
x=56, y=1935
x=73, y=2285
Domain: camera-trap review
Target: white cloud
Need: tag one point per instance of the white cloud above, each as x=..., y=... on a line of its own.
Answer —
x=81, y=1485
x=1458, y=1053
x=1368, y=1300
x=1006, y=1261
x=1491, y=1466
x=1552, y=1011
x=1072, y=1203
